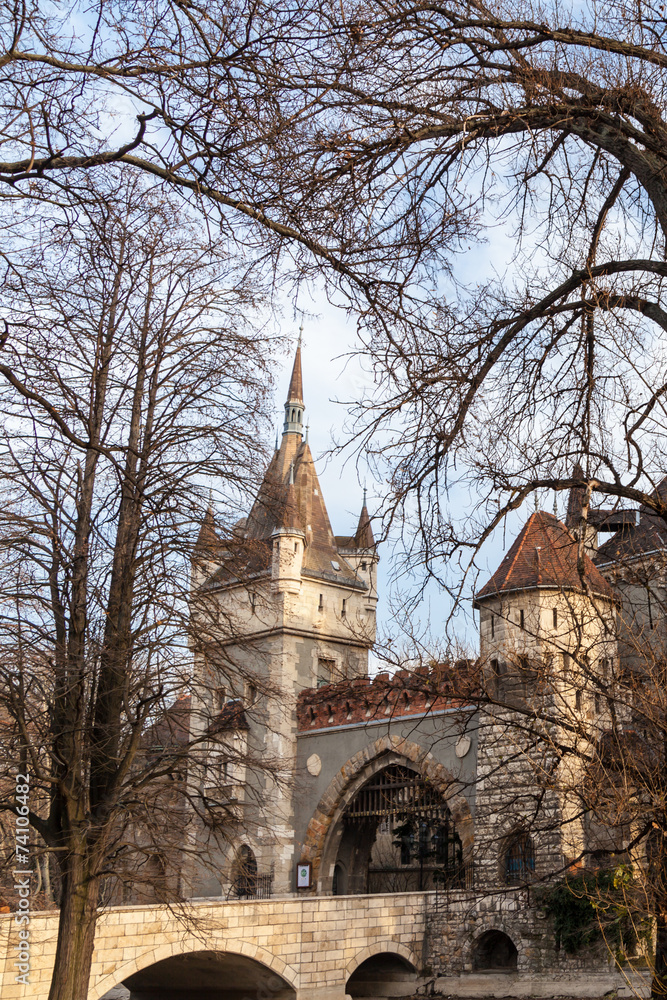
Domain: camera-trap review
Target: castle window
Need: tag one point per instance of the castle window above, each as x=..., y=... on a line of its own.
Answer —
x=519, y=859
x=320, y=606
x=312, y=716
x=566, y=663
x=220, y=698
x=325, y=672
x=577, y=701
x=493, y=625
x=343, y=611
x=521, y=619
x=363, y=567
x=296, y=546
x=555, y=617
x=605, y=669
x=331, y=715
x=406, y=700
x=253, y=601
x=368, y=709
x=244, y=873
x=348, y=711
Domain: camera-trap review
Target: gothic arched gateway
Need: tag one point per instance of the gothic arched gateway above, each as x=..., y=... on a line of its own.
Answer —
x=398, y=835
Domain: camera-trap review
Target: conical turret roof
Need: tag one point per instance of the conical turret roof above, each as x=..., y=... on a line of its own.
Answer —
x=545, y=555
x=295, y=391
x=364, y=534
x=207, y=540
x=291, y=497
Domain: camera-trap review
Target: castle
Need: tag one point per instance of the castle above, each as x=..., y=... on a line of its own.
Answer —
x=399, y=784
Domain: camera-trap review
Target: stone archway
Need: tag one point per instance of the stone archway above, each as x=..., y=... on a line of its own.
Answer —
x=385, y=974
x=176, y=972
x=324, y=830
x=494, y=951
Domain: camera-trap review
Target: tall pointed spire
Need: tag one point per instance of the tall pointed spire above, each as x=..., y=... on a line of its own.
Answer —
x=294, y=404
x=364, y=534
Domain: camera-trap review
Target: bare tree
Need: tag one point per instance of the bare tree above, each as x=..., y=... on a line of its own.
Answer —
x=131, y=380
x=540, y=128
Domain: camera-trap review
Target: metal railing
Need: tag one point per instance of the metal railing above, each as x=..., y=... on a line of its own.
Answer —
x=251, y=887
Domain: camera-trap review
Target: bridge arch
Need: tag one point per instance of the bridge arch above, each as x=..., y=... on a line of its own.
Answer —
x=377, y=971
x=192, y=946
x=322, y=838
x=382, y=947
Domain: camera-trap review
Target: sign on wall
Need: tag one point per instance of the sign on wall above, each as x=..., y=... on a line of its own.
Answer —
x=303, y=875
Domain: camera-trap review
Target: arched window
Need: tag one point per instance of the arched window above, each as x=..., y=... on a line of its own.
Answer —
x=338, y=882
x=519, y=859
x=244, y=873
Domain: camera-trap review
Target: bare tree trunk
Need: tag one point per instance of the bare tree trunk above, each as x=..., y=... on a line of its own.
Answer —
x=76, y=929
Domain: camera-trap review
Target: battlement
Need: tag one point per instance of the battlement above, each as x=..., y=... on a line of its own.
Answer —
x=385, y=697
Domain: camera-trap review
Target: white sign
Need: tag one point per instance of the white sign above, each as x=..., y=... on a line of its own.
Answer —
x=303, y=876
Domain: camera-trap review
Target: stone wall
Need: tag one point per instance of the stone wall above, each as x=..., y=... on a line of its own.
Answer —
x=314, y=944
x=462, y=917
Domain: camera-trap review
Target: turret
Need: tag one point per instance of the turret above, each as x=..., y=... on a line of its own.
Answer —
x=294, y=403
x=288, y=542
x=542, y=602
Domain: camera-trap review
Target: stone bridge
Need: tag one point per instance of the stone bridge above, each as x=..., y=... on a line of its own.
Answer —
x=310, y=948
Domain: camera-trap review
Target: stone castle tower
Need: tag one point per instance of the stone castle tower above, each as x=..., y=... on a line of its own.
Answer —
x=548, y=639
x=298, y=605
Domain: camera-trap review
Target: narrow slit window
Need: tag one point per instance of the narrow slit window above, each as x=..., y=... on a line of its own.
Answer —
x=522, y=619
x=343, y=611
x=555, y=617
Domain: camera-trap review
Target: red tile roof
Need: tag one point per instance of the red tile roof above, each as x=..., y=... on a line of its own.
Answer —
x=545, y=555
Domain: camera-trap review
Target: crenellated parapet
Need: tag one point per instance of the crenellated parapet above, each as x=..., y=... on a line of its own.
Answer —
x=406, y=693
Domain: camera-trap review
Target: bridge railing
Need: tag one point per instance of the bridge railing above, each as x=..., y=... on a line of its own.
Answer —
x=251, y=887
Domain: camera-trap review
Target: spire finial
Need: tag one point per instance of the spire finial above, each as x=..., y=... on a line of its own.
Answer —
x=307, y=429
x=555, y=503
x=294, y=404
x=535, y=495
x=364, y=502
